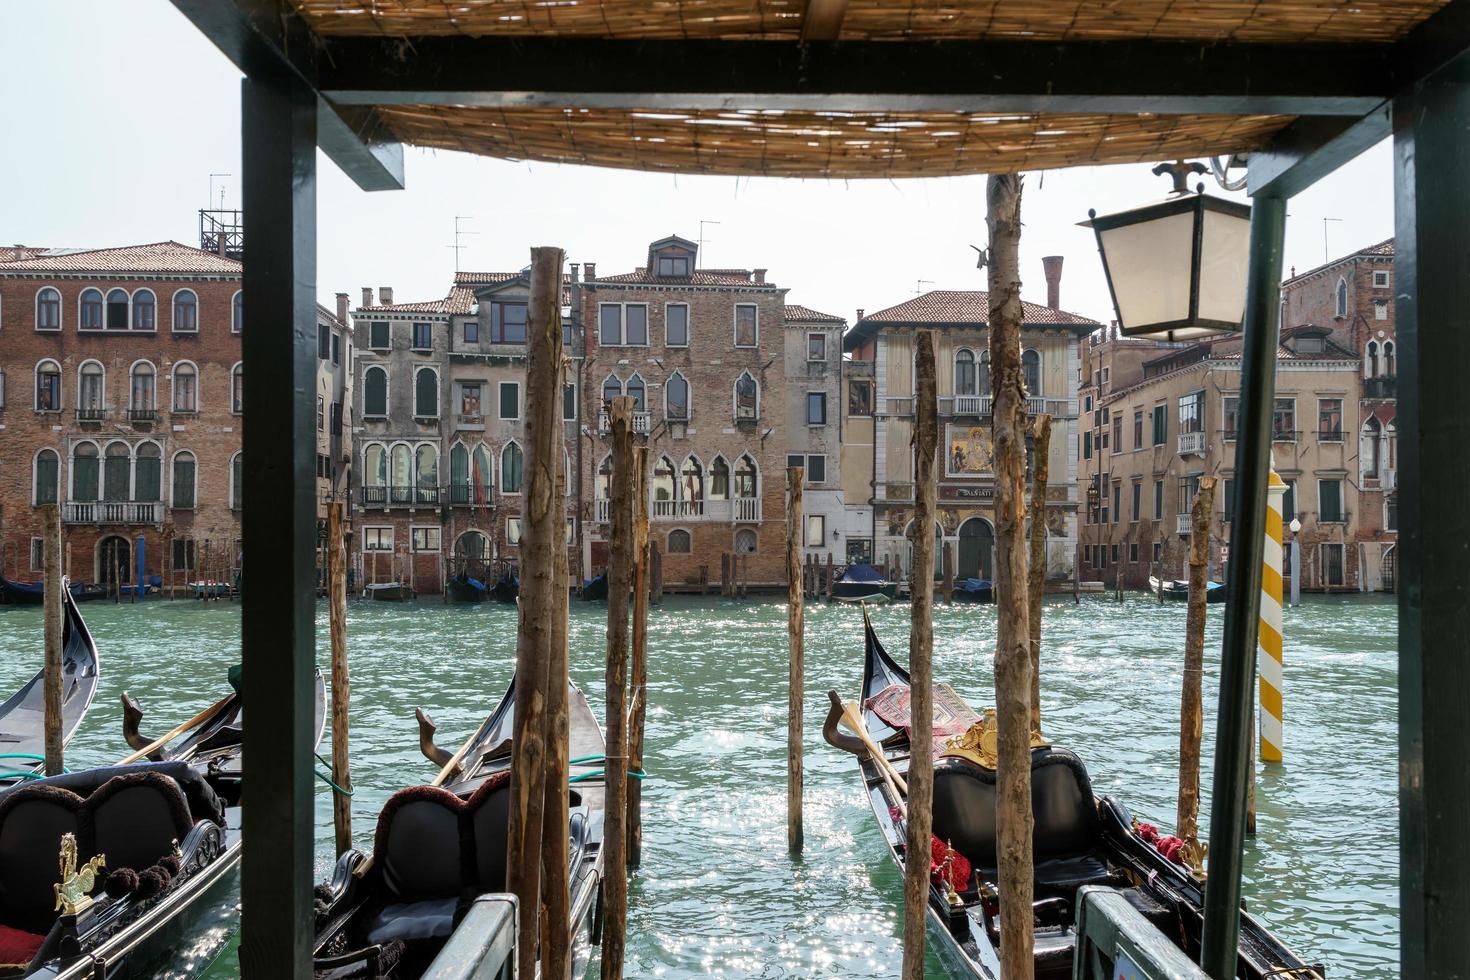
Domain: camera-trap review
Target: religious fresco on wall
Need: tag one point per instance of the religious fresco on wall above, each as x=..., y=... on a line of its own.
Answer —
x=968, y=451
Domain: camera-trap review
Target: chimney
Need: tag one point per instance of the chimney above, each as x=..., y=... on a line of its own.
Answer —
x=591, y=271
x=574, y=266
x=1053, y=266
x=220, y=239
x=859, y=314
x=385, y=295
x=342, y=307
x=758, y=275
x=367, y=296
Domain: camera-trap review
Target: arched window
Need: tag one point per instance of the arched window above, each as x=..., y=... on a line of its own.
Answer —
x=482, y=473
x=1031, y=372
x=84, y=472
x=602, y=486
x=48, y=386
x=663, y=487
x=745, y=541
x=237, y=388
x=183, y=481
x=48, y=309
x=375, y=393
x=982, y=375
x=400, y=474
x=1370, y=360
x=185, y=387
x=472, y=546
x=374, y=474
x=426, y=467
x=746, y=478
x=91, y=389
x=145, y=309
x=1389, y=368
x=691, y=487
x=719, y=479
x=1342, y=297
x=117, y=309
x=747, y=398
x=426, y=394
x=635, y=390
x=186, y=312
x=44, y=480
x=148, y=474
x=1370, y=452
x=611, y=388
x=90, y=310
x=680, y=543
x=116, y=464
x=237, y=473
x=143, y=387
x=459, y=474
x=511, y=463
x=964, y=372
x=237, y=312
x=676, y=397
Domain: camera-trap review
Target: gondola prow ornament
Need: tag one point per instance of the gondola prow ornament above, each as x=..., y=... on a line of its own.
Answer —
x=74, y=891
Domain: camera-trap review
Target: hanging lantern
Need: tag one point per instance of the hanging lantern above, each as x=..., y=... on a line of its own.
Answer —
x=1176, y=269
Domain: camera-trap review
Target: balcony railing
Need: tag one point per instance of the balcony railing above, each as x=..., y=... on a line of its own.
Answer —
x=394, y=496
x=469, y=419
x=1183, y=524
x=91, y=414
x=642, y=422
x=972, y=405
x=142, y=414
x=112, y=512
x=1384, y=387
x=1191, y=443
x=665, y=508
x=747, y=510
x=603, y=508
x=1329, y=435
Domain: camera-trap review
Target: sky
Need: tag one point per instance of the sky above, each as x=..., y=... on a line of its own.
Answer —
x=114, y=132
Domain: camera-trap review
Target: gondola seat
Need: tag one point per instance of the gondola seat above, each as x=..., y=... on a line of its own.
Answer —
x=33, y=819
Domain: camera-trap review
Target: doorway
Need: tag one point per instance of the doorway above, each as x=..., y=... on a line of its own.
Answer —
x=114, y=561
x=977, y=545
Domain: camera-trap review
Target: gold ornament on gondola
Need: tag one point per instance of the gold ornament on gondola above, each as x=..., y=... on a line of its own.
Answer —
x=980, y=742
x=74, y=891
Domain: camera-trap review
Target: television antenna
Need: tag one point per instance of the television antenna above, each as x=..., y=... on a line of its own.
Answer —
x=702, y=239
x=458, y=232
x=210, y=199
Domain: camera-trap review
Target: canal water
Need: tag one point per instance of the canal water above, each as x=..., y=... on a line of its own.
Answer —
x=718, y=895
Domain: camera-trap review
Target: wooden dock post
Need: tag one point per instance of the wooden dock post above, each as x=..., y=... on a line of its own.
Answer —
x=619, y=574
x=54, y=613
x=656, y=573
x=1040, y=449
x=947, y=582
x=556, y=852
x=796, y=669
x=827, y=587
x=1012, y=656
x=336, y=567
x=724, y=573
x=638, y=672
x=920, y=817
x=1191, y=705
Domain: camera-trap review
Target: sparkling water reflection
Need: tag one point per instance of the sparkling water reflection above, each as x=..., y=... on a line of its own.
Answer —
x=717, y=895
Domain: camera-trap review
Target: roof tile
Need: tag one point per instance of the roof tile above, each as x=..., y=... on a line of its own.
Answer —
x=804, y=314
x=159, y=257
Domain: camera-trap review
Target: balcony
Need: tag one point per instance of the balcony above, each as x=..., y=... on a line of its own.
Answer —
x=142, y=414
x=747, y=510
x=112, y=512
x=665, y=508
x=642, y=422
x=1383, y=387
x=473, y=421
x=382, y=497
x=972, y=405
x=1191, y=444
x=1183, y=525
x=91, y=414
x=1329, y=435
x=604, y=513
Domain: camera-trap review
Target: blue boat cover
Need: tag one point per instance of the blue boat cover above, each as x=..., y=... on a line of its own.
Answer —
x=974, y=584
x=861, y=573
x=476, y=583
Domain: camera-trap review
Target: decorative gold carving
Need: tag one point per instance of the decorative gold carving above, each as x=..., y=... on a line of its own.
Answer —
x=980, y=742
x=74, y=891
x=947, y=869
x=1194, y=853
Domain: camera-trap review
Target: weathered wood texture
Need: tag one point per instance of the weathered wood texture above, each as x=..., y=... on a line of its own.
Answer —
x=619, y=576
x=341, y=678
x=52, y=612
x=638, y=671
x=1040, y=470
x=796, y=667
x=1191, y=702
x=1013, y=635
x=921, y=674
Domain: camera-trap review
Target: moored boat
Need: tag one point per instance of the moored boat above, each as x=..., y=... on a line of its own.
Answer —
x=465, y=588
x=863, y=583
x=595, y=588
x=23, y=715
x=438, y=847
x=1177, y=590
x=1079, y=840
x=507, y=589
x=390, y=592
x=974, y=590
x=14, y=593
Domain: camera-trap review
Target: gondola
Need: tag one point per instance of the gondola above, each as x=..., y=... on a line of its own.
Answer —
x=863, y=583
x=23, y=715
x=466, y=588
x=14, y=593
x=974, y=590
x=507, y=589
x=1079, y=840
x=595, y=588
x=390, y=592
x=137, y=856
x=1177, y=590
x=437, y=847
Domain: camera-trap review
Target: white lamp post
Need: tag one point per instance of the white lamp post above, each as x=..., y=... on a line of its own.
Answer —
x=1296, y=563
x=1176, y=268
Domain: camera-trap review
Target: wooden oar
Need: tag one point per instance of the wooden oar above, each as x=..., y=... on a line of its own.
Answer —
x=853, y=719
x=192, y=723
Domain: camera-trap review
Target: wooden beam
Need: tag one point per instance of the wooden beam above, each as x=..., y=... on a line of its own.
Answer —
x=822, y=20
x=1311, y=148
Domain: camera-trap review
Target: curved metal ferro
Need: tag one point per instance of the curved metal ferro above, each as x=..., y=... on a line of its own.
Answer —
x=427, y=745
x=835, y=738
x=132, y=717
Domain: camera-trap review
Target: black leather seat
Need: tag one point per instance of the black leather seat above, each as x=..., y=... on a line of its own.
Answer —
x=136, y=819
x=202, y=801
x=33, y=820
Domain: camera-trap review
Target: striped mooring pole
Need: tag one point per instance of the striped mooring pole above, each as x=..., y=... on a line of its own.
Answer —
x=1268, y=654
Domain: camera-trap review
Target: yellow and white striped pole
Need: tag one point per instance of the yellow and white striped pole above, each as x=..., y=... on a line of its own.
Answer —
x=1268, y=654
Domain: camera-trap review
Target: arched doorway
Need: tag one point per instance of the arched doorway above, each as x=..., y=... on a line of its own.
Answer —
x=471, y=554
x=977, y=546
x=114, y=560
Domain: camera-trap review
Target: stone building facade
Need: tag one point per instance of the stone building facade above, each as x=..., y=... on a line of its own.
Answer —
x=813, y=392
x=120, y=400
x=702, y=352
x=885, y=340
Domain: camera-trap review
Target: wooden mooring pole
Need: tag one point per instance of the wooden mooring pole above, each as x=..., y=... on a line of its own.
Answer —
x=1191, y=702
x=341, y=689
x=948, y=579
x=796, y=669
x=53, y=610
x=638, y=679
x=920, y=817
x=620, y=568
x=1040, y=448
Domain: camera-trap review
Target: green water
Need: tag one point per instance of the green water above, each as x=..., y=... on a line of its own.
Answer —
x=717, y=895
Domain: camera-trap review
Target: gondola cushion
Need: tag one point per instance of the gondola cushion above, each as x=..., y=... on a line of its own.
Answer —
x=431, y=844
x=202, y=802
x=33, y=819
x=18, y=947
x=136, y=819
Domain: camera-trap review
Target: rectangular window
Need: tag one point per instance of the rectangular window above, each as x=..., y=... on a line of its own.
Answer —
x=635, y=322
x=513, y=530
x=568, y=402
x=816, y=408
x=1138, y=428
x=1115, y=554
x=1329, y=420
x=425, y=539
x=48, y=391
x=1087, y=445
x=1137, y=500
x=507, y=322
x=1288, y=502
x=1158, y=552
x=510, y=400
x=1230, y=410
x=38, y=554
x=184, y=481
x=1391, y=512
x=423, y=336
x=1117, y=433
x=2, y=389
x=323, y=341
x=1329, y=501
x=747, y=330
x=377, y=539
x=1117, y=502
x=1161, y=424
x=610, y=325
x=1283, y=420
x=469, y=399
x=676, y=325
x=860, y=398
x=1332, y=564
x=1228, y=492
x=795, y=460
x=471, y=332
x=183, y=555
x=1192, y=412
x=816, y=530
x=1380, y=279
x=1158, y=500
x=816, y=469
x=1380, y=309
x=816, y=347
x=379, y=335
x=336, y=348
x=1188, y=487
x=623, y=325
x=673, y=266
x=1133, y=552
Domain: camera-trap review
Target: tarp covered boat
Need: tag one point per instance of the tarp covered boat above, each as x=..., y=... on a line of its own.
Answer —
x=14, y=593
x=974, y=590
x=1177, y=590
x=863, y=583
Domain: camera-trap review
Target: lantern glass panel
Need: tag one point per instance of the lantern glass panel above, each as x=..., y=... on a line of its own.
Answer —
x=1224, y=260
x=1149, y=264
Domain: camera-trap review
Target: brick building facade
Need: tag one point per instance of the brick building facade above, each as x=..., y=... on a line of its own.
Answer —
x=813, y=391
